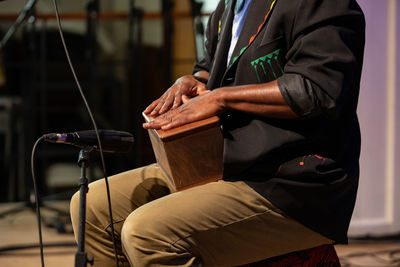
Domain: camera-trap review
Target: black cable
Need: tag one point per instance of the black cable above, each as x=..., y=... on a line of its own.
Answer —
x=37, y=199
x=375, y=238
x=95, y=128
x=28, y=254
x=28, y=246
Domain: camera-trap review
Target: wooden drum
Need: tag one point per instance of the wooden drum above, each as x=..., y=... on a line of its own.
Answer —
x=191, y=154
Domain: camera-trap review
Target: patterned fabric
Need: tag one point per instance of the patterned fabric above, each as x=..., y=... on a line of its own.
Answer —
x=254, y=36
x=240, y=14
x=322, y=256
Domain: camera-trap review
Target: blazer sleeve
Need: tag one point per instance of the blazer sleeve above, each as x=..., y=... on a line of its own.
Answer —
x=324, y=58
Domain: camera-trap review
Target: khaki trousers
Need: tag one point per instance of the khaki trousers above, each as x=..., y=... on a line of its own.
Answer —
x=217, y=224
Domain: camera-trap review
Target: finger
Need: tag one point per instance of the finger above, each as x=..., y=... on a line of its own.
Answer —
x=156, y=110
x=151, y=107
x=185, y=99
x=146, y=125
x=203, y=92
x=201, y=88
x=153, y=125
x=171, y=125
x=167, y=103
x=166, y=107
x=150, y=125
x=177, y=100
x=158, y=122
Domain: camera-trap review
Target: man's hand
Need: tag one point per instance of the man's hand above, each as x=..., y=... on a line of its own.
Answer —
x=186, y=86
x=201, y=107
x=263, y=100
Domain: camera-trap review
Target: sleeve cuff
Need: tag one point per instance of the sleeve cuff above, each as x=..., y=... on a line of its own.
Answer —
x=299, y=95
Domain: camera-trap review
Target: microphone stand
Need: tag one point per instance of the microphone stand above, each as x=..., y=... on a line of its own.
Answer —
x=81, y=258
x=21, y=17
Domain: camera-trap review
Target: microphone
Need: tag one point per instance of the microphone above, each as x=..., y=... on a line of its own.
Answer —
x=111, y=141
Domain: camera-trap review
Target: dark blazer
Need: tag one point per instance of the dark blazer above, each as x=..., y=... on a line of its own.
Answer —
x=307, y=166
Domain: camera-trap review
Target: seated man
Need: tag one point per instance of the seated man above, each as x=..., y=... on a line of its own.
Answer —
x=284, y=77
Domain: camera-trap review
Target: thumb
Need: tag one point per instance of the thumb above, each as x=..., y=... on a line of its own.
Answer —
x=185, y=99
x=203, y=92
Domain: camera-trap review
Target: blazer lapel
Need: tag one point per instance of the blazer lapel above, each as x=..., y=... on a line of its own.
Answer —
x=224, y=39
x=252, y=27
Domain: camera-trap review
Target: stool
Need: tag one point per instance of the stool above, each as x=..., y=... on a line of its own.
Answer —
x=322, y=256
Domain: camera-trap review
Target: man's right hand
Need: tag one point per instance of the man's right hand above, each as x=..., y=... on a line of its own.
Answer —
x=187, y=85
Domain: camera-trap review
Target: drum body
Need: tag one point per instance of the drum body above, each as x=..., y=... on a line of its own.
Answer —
x=189, y=155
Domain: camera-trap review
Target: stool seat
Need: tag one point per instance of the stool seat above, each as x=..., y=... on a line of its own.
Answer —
x=322, y=256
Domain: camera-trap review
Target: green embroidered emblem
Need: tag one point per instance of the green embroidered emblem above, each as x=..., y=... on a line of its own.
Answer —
x=240, y=53
x=267, y=64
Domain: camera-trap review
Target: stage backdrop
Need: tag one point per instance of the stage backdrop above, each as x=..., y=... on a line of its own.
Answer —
x=378, y=204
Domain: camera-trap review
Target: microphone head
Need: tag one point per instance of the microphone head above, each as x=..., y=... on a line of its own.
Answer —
x=111, y=140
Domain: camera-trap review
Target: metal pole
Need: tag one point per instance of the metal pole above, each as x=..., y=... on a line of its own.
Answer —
x=81, y=258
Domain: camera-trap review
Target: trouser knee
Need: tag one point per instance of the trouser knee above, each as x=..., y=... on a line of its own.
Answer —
x=74, y=211
x=134, y=233
x=96, y=213
x=154, y=235
x=142, y=237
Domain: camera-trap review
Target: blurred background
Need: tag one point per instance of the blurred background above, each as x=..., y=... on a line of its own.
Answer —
x=126, y=54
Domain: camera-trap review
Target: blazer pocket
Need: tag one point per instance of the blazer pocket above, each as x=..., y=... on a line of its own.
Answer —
x=267, y=42
x=267, y=59
x=311, y=169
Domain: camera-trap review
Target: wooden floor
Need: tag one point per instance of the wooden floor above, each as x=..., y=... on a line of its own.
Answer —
x=20, y=229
